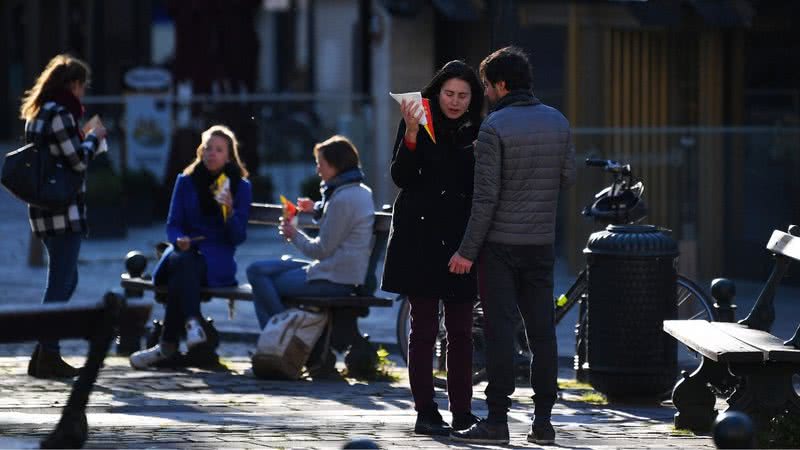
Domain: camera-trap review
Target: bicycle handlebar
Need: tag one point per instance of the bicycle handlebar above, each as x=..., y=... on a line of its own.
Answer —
x=609, y=165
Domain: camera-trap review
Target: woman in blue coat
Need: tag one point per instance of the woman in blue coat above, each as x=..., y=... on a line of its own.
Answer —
x=207, y=221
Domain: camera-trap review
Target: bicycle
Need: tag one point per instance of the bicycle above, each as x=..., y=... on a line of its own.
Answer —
x=620, y=203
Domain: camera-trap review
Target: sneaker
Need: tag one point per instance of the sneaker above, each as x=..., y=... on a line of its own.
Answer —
x=483, y=432
x=430, y=423
x=195, y=333
x=542, y=433
x=145, y=358
x=462, y=421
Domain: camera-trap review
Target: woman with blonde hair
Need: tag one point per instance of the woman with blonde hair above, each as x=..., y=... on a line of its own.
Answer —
x=51, y=110
x=207, y=220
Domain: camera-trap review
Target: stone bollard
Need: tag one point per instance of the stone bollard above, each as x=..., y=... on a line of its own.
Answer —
x=734, y=429
x=724, y=290
x=361, y=443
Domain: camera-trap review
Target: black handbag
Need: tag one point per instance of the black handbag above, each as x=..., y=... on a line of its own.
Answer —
x=40, y=179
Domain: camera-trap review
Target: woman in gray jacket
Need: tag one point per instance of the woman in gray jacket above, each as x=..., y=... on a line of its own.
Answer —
x=340, y=252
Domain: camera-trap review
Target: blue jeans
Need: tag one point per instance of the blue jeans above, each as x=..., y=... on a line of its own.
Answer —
x=186, y=274
x=62, y=273
x=273, y=278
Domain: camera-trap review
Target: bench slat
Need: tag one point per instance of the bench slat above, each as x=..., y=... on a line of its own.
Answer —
x=784, y=244
x=711, y=342
x=245, y=292
x=773, y=346
x=351, y=301
x=21, y=323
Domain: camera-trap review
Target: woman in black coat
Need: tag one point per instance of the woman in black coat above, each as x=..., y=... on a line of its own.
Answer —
x=433, y=167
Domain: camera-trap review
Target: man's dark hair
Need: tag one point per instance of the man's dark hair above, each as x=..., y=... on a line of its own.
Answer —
x=462, y=71
x=509, y=64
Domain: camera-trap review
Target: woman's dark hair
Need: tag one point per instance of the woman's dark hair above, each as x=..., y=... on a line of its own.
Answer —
x=462, y=71
x=62, y=70
x=339, y=152
x=509, y=64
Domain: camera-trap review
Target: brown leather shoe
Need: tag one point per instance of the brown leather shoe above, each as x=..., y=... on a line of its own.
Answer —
x=50, y=365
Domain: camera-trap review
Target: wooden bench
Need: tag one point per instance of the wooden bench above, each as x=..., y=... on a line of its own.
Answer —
x=743, y=361
x=343, y=333
x=97, y=322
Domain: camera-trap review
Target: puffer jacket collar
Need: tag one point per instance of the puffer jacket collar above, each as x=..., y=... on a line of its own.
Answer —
x=517, y=97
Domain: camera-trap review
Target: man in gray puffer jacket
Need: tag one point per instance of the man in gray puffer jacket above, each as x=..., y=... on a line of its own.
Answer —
x=524, y=157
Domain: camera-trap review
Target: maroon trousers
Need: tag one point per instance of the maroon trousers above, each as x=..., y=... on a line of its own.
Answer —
x=424, y=328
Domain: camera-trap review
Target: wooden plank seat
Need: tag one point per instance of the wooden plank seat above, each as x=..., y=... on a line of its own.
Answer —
x=345, y=310
x=752, y=368
x=95, y=321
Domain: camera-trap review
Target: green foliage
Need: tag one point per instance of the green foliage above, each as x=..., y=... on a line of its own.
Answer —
x=263, y=189
x=783, y=431
x=139, y=183
x=103, y=187
x=381, y=371
x=310, y=188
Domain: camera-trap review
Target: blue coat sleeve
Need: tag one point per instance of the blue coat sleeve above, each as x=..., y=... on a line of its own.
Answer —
x=236, y=225
x=177, y=214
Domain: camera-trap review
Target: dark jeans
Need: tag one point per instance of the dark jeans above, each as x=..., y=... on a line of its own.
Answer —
x=62, y=273
x=511, y=278
x=186, y=274
x=424, y=328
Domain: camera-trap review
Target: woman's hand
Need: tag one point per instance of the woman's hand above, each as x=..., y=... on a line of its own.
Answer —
x=99, y=132
x=286, y=229
x=305, y=204
x=412, y=113
x=183, y=243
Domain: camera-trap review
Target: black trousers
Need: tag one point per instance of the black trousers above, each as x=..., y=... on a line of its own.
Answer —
x=518, y=279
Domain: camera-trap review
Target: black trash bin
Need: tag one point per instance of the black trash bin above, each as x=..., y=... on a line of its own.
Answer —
x=632, y=289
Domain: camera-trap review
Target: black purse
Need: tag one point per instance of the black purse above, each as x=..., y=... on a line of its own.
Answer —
x=40, y=179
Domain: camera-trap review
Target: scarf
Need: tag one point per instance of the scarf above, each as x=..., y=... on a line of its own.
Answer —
x=354, y=175
x=203, y=181
x=516, y=97
x=68, y=100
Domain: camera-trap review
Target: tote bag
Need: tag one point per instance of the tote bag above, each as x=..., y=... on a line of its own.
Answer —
x=38, y=178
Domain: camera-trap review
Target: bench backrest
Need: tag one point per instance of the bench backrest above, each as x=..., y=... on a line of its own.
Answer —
x=786, y=247
x=269, y=214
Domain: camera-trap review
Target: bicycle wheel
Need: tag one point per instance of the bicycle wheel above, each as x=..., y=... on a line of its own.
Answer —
x=693, y=304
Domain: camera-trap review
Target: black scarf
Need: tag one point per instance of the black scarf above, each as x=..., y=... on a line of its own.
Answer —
x=516, y=97
x=204, y=185
x=69, y=101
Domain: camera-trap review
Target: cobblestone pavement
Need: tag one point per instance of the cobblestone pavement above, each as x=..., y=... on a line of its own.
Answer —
x=203, y=409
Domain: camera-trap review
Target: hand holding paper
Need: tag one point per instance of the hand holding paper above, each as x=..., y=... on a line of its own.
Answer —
x=410, y=97
x=96, y=125
x=222, y=192
x=289, y=211
x=427, y=119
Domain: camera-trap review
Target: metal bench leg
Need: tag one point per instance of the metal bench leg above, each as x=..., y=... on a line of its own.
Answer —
x=72, y=429
x=765, y=391
x=361, y=358
x=693, y=398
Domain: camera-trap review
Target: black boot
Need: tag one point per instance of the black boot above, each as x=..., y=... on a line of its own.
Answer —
x=430, y=422
x=50, y=365
x=462, y=421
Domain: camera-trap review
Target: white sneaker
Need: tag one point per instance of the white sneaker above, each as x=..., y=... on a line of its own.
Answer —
x=145, y=358
x=195, y=334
